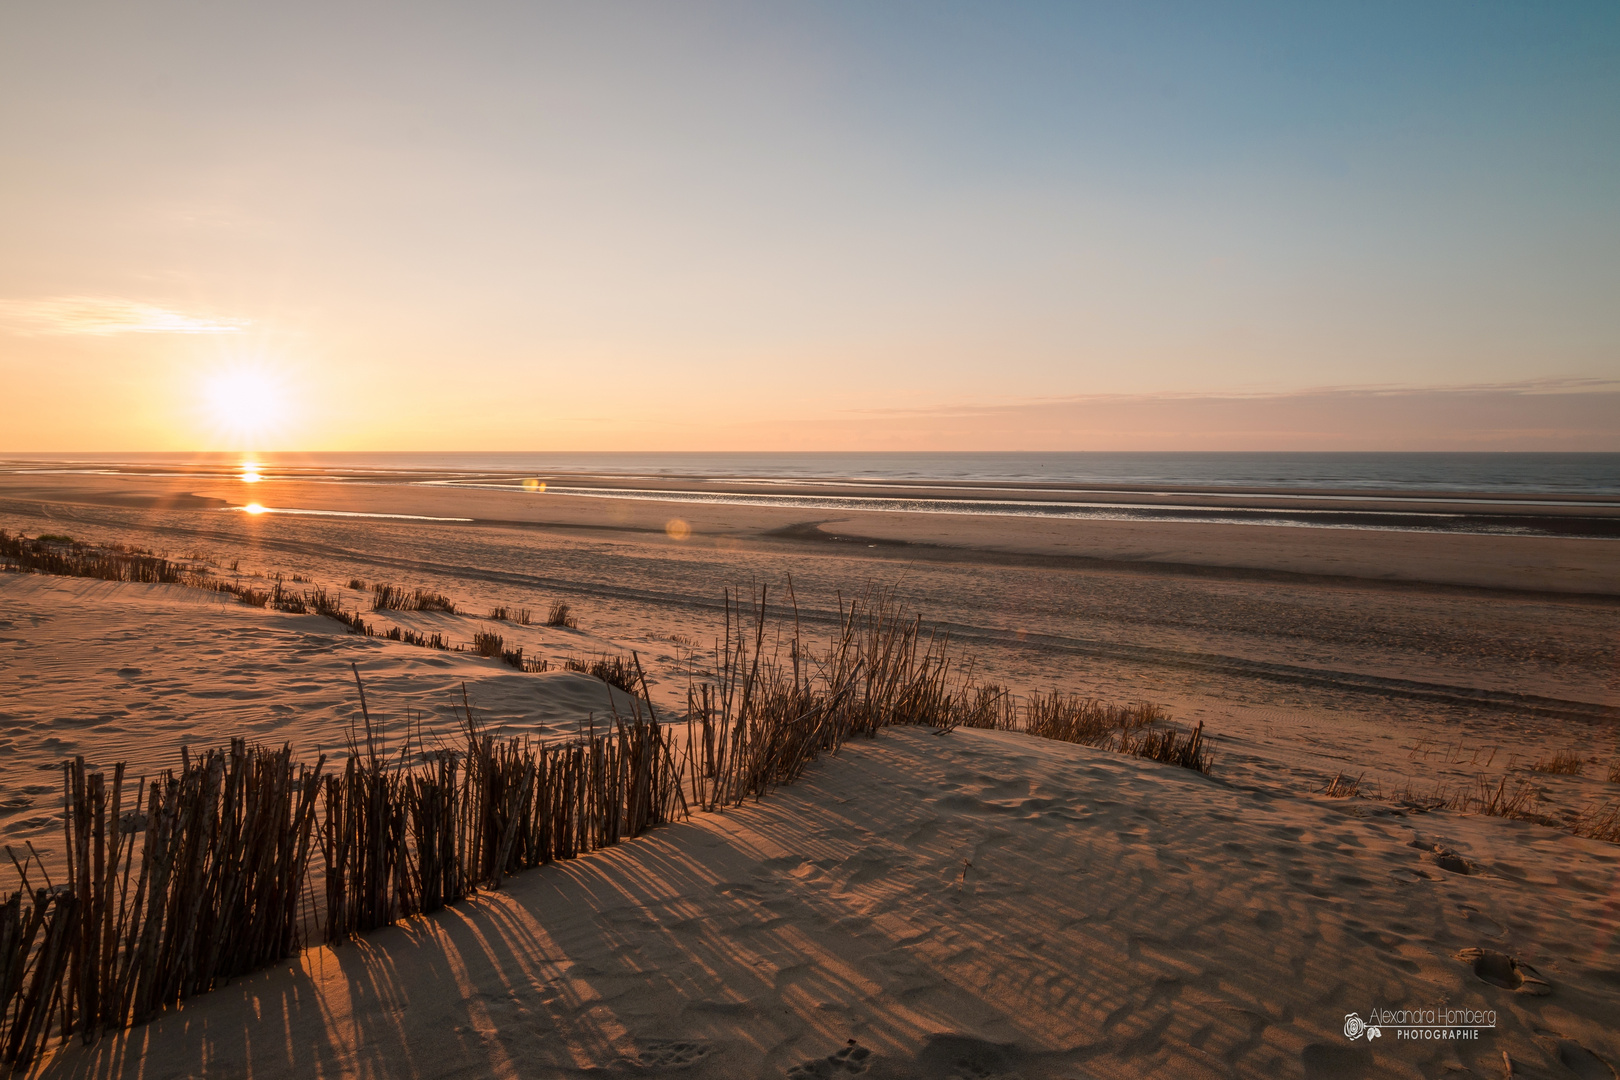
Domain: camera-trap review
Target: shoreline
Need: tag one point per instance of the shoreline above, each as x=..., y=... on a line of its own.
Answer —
x=1523, y=565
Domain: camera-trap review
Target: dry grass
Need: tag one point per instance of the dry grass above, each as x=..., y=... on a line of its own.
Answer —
x=323, y=603
x=358, y=585
x=614, y=670
x=562, y=615
x=518, y=616
x=1614, y=771
x=992, y=707
x=392, y=598
x=1087, y=721
x=764, y=712
x=1342, y=787
x=284, y=599
x=488, y=643
x=1521, y=801
x=421, y=641
x=1598, y=823
x=65, y=557
x=1563, y=763
x=246, y=594
x=1071, y=718
x=1168, y=746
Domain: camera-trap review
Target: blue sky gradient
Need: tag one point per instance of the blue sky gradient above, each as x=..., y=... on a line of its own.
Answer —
x=810, y=211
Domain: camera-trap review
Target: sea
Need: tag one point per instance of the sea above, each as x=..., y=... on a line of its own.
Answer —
x=1545, y=474
x=1543, y=494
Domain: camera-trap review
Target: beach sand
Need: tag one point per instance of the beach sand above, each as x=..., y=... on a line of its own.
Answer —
x=975, y=904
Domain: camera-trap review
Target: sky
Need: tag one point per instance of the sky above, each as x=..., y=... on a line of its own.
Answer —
x=863, y=225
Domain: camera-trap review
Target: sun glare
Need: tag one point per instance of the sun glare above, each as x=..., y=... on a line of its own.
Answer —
x=253, y=508
x=250, y=472
x=245, y=406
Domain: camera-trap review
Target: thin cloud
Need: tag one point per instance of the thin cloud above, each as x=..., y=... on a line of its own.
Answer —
x=1525, y=387
x=104, y=316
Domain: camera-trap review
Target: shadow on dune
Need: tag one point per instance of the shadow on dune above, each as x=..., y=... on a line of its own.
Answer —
x=969, y=907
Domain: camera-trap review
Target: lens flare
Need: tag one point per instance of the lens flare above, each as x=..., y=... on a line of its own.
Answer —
x=677, y=529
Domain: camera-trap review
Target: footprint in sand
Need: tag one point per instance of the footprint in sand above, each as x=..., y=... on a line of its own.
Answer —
x=1500, y=969
x=672, y=1054
x=1267, y=920
x=962, y=1057
x=1443, y=857
x=851, y=1060
x=1583, y=1063
x=1446, y=859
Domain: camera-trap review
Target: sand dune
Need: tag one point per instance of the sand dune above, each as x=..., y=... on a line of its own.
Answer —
x=973, y=905
x=124, y=672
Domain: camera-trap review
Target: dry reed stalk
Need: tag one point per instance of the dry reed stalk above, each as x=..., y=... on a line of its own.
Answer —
x=1563, y=763
x=392, y=598
x=613, y=670
x=1599, y=823
x=223, y=856
x=39, y=984
x=991, y=707
x=1071, y=718
x=412, y=637
x=1342, y=787
x=766, y=716
x=64, y=557
x=1166, y=745
x=1499, y=801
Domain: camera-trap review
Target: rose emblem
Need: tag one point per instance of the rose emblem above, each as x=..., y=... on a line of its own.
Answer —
x=1354, y=1027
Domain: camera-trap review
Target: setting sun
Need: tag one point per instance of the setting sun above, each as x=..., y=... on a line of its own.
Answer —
x=245, y=405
